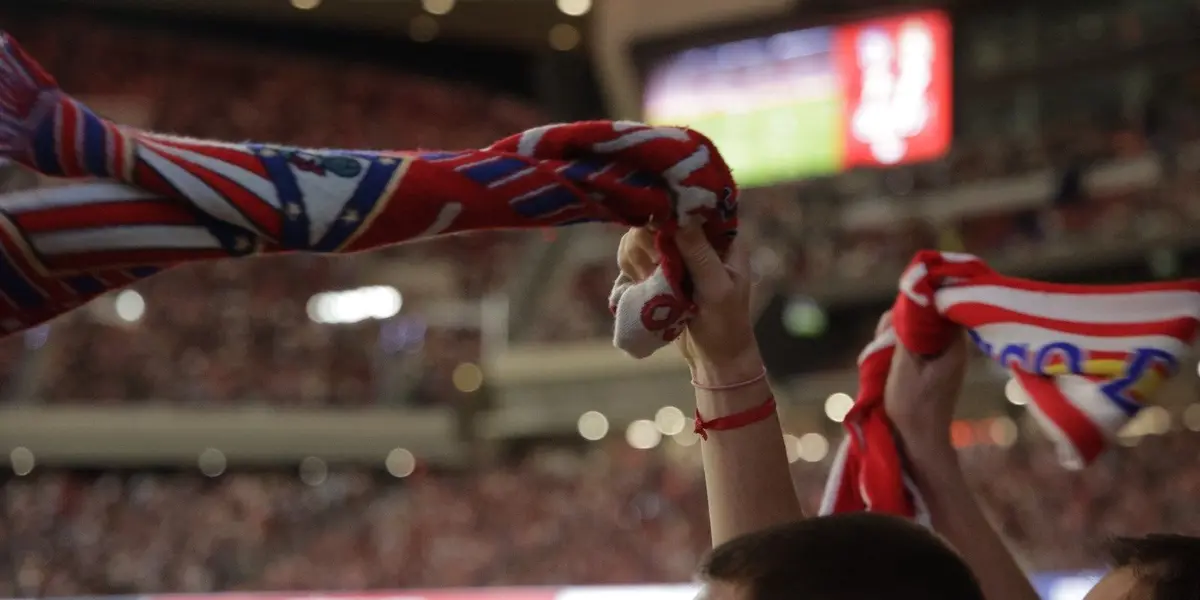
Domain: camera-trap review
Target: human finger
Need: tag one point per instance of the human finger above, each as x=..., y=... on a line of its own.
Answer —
x=950, y=362
x=738, y=259
x=707, y=271
x=635, y=257
x=954, y=357
x=644, y=240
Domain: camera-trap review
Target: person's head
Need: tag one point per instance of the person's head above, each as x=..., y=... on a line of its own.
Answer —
x=1155, y=567
x=858, y=556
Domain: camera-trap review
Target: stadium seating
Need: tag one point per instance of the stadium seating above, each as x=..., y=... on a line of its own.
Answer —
x=239, y=333
x=539, y=522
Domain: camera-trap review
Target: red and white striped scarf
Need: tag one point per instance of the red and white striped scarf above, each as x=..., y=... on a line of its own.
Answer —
x=1086, y=357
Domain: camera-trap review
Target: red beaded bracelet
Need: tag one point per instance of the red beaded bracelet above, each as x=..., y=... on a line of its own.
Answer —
x=737, y=420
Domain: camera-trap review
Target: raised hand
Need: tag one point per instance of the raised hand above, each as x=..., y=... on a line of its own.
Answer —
x=719, y=341
x=922, y=394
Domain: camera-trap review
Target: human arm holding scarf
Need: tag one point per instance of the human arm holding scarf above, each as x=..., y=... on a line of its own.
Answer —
x=745, y=468
x=920, y=399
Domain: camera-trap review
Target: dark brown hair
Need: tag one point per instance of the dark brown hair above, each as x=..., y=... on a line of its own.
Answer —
x=1166, y=566
x=858, y=556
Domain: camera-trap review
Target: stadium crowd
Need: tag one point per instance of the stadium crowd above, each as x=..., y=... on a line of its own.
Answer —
x=251, y=339
x=240, y=333
x=538, y=522
x=248, y=338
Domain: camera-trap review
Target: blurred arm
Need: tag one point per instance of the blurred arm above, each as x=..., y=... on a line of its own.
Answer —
x=921, y=397
x=957, y=516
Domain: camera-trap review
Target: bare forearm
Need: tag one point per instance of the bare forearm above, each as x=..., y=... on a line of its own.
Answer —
x=745, y=469
x=957, y=516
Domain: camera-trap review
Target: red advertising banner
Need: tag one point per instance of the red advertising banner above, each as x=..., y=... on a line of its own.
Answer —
x=896, y=88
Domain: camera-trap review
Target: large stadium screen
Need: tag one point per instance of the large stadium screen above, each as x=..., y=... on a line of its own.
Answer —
x=814, y=101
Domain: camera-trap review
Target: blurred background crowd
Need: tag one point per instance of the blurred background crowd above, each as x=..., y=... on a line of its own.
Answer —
x=1074, y=156
x=539, y=521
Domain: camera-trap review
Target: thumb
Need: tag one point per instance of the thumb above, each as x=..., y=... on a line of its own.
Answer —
x=940, y=375
x=738, y=259
x=944, y=362
x=905, y=365
x=952, y=362
x=707, y=271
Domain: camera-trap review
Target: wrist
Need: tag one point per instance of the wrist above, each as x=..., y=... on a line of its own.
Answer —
x=738, y=368
x=716, y=403
x=931, y=454
x=759, y=413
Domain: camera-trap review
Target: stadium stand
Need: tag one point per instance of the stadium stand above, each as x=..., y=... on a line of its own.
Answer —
x=538, y=522
x=217, y=88
x=241, y=335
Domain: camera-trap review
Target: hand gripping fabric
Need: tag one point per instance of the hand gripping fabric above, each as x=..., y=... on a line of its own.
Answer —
x=170, y=200
x=1087, y=358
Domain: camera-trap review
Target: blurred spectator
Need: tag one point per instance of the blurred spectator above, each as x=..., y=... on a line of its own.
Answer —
x=539, y=522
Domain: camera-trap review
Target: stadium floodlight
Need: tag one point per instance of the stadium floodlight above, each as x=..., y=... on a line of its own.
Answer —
x=354, y=306
x=837, y=406
x=813, y=447
x=401, y=463
x=670, y=420
x=22, y=461
x=130, y=306
x=422, y=28
x=642, y=434
x=574, y=8
x=437, y=7
x=593, y=426
x=564, y=37
x=212, y=462
x=1015, y=394
x=1191, y=417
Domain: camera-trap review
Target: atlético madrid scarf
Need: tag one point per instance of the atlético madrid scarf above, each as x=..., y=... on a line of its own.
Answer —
x=169, y=200
x=1086, y=357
